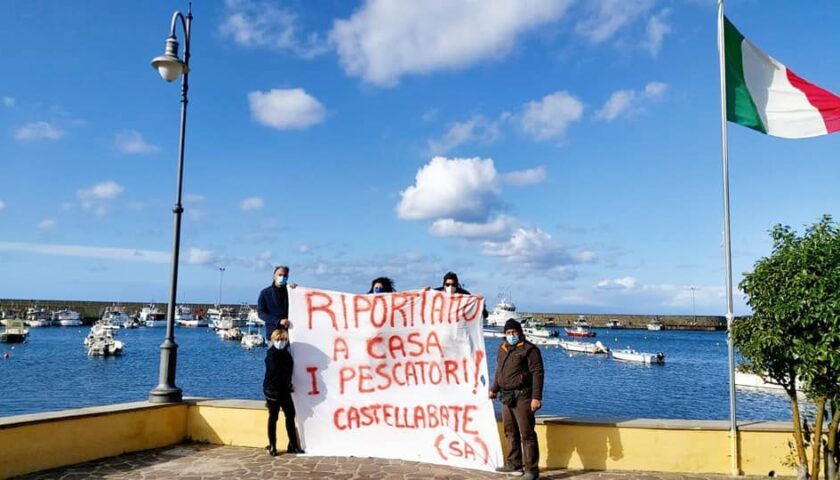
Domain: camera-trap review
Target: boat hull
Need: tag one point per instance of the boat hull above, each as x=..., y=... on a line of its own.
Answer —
x=584, y=334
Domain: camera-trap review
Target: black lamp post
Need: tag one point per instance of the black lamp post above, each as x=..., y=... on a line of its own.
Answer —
x=170, y=68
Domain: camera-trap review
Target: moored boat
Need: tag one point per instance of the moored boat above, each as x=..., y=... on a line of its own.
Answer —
x=654, y=325
x=538, y=329
x=503, y=311
x=38, y=317
x=584, y=347
x=66, y=318
x=15, y=332
x=151, y=316
x=630, y=355
x=613, y=323
x=229, y=333
x=251, y=340
x=579, y=331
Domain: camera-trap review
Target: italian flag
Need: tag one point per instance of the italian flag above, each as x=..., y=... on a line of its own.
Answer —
x=765, y=95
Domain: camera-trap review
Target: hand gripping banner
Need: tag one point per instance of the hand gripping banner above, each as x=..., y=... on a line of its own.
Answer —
x=396, y=375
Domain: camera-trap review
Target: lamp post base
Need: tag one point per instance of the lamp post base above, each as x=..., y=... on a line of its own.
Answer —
x=166, y=391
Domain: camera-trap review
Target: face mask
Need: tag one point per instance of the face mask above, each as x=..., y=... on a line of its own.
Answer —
x=281, y=280
x=280, y=344
x=512, y=339
x=378, y=289
x=449, y=289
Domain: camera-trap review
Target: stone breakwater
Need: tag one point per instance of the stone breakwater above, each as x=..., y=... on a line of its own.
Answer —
x=669, y=322
x=92, y=310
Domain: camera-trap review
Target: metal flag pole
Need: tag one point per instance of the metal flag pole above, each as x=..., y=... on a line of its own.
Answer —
x=734, y=454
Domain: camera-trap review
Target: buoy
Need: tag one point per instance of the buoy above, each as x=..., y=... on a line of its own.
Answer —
x=6, y=356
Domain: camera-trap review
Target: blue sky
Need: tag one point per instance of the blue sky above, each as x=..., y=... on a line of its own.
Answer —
x=567, y=152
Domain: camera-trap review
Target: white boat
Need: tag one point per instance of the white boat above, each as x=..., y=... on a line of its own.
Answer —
x=37, y=317
x=253, y=319
x=584, y=347
x=131, y=323
x=67, y=318
x=613, y=323
x=546, y=342
x=151, y=316
x=251, y=340
x=582, y=322
x=538, y=329
x=490, y=333
x=654, y=325
x=229, y=333
x=751, y=380
x=630, y=355
x=222, y=318
x=113, y=317
x=15, y=332
x=503, y=311
x=103, y=345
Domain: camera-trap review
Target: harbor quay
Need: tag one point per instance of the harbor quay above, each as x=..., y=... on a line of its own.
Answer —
x=216, y=438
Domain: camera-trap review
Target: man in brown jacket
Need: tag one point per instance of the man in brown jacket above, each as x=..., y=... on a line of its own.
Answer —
x=518, y=384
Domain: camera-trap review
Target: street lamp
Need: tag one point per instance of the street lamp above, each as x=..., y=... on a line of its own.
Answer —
x=221, y=276
x=693, y=307
x=170, y=67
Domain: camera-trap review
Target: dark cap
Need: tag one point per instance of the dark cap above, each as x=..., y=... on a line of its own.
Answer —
x=513, y=324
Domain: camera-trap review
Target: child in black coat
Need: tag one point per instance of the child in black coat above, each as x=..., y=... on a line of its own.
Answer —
x=278, y=388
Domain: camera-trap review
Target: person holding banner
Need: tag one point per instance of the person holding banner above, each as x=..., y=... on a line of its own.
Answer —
x=273, y=304
x=518, y=384
x=278, y=388
x=452, y=286
x=381, y=285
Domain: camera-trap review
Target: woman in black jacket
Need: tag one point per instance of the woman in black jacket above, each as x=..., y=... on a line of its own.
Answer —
x=278, y=388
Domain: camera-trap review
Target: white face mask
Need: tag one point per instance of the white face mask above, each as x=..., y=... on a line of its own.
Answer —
x=450, y=289
x=280, y=344
x=281, y=280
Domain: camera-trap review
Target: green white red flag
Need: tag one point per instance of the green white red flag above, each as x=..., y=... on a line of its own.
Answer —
x=765, y=95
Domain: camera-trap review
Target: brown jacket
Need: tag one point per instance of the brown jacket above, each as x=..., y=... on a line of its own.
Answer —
x=519, y=367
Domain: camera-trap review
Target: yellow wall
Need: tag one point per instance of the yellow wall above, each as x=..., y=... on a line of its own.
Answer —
x=40, y=445
x=32, y=443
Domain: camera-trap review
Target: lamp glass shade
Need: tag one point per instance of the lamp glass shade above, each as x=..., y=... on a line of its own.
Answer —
x=170, y=68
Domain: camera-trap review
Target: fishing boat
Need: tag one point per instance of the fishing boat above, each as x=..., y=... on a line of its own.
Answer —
x=185, y=317
x=230, y=333
x=15, y=332
x=103, y=344
x=538, y=329
x=654, y=325
x=613, y=323
x=503, y=311
x=579, y=331
x=113, y=317
x=751, y=380
x=37, y=317
x=131, y=323
x=630, y=355
x=546, y=342
x=252, y=339
x=584, y=347
x=490, y=333
x=66, y=318
x=151, y=316
x=581, y=321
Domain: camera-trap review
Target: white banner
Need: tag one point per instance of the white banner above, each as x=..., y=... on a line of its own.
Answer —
x=397, y=375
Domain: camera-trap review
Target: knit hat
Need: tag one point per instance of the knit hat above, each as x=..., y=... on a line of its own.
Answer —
x=513, y=324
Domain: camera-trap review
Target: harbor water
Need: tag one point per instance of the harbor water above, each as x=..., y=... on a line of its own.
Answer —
x=53, y=372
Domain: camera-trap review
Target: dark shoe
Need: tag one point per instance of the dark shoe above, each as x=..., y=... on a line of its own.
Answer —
x=510, y=470
x=271, y=450
x=531, y=476
x=295, y=450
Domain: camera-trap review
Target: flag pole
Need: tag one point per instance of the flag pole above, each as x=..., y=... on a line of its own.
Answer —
x=734, y=454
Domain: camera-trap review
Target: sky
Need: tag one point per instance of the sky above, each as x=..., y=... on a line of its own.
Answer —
x=564, y=152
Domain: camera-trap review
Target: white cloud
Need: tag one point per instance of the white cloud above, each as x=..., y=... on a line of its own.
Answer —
x=132, y=142
x=604, y=18
x=384, y=40
x=536, y=251
x=522, y=178
x=624, y=283
x=264, y=24
x=628, y=102
x=447, y=227
x=46, y=224
x=101, y=191
x=252, y=203
x=194, y=197
x=459, y=188
x=303, y=249
x=475, y=129
x=286, y=109
x=655, y=32
x=548, y=118
x=104, y=253
x=198, y=256
x=2, y=204
x=96, y=198
x=38, y=131
x=9, y=102
x=66, y=206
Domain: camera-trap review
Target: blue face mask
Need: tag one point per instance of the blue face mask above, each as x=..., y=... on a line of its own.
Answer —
x=281, y=280
x=512, y=339
x=378, y=290
x=280, y=344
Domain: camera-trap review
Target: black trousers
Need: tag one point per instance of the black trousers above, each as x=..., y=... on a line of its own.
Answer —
x=519, y=424
x=274, y=405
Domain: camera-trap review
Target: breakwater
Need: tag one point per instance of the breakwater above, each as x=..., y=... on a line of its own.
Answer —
x=92, y=310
